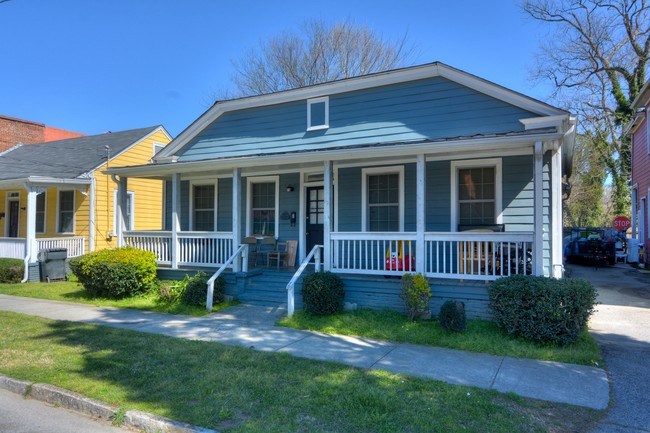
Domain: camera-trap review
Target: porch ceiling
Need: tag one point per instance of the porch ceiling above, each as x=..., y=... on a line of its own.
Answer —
x=456, y=148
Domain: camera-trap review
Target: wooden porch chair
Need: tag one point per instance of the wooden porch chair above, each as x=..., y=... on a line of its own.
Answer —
x=266, y=246
x=285, y=253
x=252, y=249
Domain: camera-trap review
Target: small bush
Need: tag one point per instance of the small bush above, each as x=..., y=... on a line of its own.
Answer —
x=323, y=293
x=11, y=270
x=452, y=316
x=542, y=309
x=170, y=292
x=416, y=293
x=116, y=273
x=195, y=290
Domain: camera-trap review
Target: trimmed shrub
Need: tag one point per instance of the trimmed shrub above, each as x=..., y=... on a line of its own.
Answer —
x=11, y=270
x=416, y=293
x=542, y=309
x=116, y=273
x=322, y=293
x=452, y=316
x=195, y=291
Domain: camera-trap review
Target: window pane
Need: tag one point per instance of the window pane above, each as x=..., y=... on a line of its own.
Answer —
x=263, y=208
x=66, y=212
x=40, y=213
x=317, y=114
x=204, y=207
x=476, y=196
x=383, y=202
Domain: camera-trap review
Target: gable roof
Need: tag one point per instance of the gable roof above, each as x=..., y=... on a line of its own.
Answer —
x=430, y=70
x=71, y=158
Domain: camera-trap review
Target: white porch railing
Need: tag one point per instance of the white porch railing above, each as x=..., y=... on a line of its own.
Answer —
x=462, y=255
x=74, y=244
x=195, y=248
x=158, y=242
x=12, y=248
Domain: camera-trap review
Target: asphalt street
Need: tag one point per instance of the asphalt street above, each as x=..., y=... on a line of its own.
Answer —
x=20, y=415
x=621, y=326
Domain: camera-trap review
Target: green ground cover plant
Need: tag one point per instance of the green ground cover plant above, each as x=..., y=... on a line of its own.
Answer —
x=479, y=336
x=233, y=389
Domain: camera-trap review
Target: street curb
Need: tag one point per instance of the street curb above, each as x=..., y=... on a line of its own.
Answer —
x=74, y=401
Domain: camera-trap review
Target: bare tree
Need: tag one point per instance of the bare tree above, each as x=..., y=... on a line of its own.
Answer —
x=318, y=53
x=597, y=57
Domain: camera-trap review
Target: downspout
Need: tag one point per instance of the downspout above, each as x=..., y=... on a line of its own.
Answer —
x=26, y=262
x=91, y=216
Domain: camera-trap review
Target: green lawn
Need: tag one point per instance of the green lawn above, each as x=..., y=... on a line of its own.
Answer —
x=70, y=291
x=234, y=389
x=480, y=335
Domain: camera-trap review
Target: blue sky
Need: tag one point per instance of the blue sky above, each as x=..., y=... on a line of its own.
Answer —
x=108, y=65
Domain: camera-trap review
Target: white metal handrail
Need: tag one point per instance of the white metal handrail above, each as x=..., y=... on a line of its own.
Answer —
x=314, y=253
x=210, y=283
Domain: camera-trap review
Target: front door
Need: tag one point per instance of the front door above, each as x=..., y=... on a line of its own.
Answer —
x=14, y=217
x=315, y=216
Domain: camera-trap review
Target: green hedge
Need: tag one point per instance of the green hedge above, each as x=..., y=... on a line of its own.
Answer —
x=116, y=273
x=196, y=290
x=322, y=293
x=11, y=270
x=542, y=309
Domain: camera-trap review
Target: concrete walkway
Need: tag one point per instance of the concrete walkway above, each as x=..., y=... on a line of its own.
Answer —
x=253, y=327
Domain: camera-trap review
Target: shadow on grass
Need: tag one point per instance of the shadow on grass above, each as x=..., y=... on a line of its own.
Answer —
x=226, y=388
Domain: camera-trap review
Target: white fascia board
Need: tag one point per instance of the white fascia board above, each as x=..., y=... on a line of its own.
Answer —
x=557, y=121
x=430, y=70
x=286, y=159
x=44, y=181
x=643, y=98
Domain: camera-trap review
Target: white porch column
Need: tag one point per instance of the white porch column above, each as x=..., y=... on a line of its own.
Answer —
x=176, y=219
x=635, y=193
x=327, y=215
x=236, y=216
x=121, y=210
x=31, y=245
x=557, y=234
x=421, y=211
x=538, y=225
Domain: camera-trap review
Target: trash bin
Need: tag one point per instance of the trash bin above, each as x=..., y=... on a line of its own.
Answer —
x=52, y=263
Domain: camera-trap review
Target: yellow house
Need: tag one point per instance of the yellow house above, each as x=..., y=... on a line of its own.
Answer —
x=55, y=195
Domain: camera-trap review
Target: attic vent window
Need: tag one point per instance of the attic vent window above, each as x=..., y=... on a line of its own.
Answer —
x=318, y=113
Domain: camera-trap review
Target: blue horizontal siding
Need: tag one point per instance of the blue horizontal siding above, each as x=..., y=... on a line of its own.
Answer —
x=424, y=109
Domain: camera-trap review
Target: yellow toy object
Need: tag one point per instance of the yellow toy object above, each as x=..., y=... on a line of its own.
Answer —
x=399, y=257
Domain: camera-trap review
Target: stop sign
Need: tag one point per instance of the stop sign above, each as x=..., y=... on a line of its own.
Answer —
x=622, y=223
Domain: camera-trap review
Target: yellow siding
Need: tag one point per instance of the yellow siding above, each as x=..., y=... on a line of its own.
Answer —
x=148, y=201
x=148, y=195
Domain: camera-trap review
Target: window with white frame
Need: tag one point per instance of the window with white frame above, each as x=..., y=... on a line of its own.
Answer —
x=40, y=213
x=476, y=192
x=130, y=205
x=66, y=212
x=263, y=208
x=203, y=207
x=318, y=116
x=384, y=197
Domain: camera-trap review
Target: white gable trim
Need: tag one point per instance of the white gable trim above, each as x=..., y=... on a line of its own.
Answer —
x=430, y=70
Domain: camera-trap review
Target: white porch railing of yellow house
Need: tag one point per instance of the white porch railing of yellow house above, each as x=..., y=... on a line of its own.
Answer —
x=208, y=249
x=74, y=244
x=462, y=255
x=470, y=256
x=12, y=248
x=15, y=247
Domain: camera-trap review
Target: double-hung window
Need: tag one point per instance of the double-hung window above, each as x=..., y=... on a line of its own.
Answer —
x=66, y=212
x=263, y=207
x=476, y=197
x=130, y=203
x=383, y=207
x=40, y=213
x=203, y=208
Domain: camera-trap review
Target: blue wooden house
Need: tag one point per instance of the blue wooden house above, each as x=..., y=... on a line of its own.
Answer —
x=423, y=169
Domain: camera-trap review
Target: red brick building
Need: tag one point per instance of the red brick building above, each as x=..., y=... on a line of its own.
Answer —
x=640, y=131
x=14, y=131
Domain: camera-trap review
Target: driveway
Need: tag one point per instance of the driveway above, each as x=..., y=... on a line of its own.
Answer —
x=621, y=326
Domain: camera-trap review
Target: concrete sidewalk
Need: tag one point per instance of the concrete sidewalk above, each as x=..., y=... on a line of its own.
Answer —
x=253, y=327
